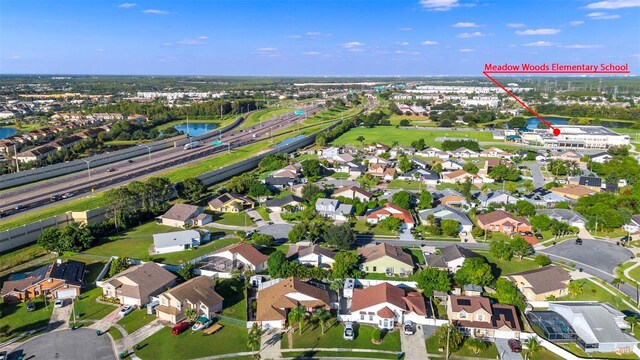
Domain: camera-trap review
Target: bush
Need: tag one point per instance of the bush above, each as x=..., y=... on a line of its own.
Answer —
x=376, y=335
x=542, y=260
x=109, y=299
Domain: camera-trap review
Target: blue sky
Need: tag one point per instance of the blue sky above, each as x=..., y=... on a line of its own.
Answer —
x=428, y=37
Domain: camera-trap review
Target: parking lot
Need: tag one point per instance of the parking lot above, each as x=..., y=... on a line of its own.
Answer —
x=602, y=255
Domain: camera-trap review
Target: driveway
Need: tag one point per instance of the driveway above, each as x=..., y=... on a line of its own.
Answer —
x=413, y=346
x=275, y=218
x=536, y=173
x=60, y=317
x=505, y=352
x=256, y=218
x=601, y=255
x=278, y=231
x=105, y=323
x=66, y=344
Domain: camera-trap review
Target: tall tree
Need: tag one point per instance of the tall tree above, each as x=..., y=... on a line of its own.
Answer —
x=297, y=315
x=425, y=201
x=449, y=337
x=193, y=189
x=254, y=337
x=404, y=165
x=474, y=271
x=402, y=199
x=275, y=263
x=521, y=247
x=340, y=236
x=321, y=316
x=508, y=293
x=501, y=249
x=345, y=265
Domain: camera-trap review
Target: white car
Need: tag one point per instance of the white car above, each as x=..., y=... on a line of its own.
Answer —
x=202, y=325
x=348, y=331
x=125, y=310
x=408, y=327
x=58, y=303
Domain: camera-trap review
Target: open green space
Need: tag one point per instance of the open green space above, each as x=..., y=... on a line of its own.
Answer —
x=576, y=350
x=595, y=292
x=490, y=353
x=190, y=345
x=135, y=320
x=264, y=213
x=115, y=333
x=11, y=259
x=235, y=219
x=509, y=267
x=416, y=254
x=136, y=242
x=405, y=185
x=235, y=302
x=635, y=274
x=362, y=227
x=16, y=319
x=86, y=306
x=312, y=337
x=390, y=134
x=335, y=354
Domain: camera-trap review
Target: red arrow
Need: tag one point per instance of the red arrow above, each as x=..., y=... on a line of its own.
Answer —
x=556, y=131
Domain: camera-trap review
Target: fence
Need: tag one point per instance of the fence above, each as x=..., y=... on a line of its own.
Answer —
x=50, y=171
x=230, y=320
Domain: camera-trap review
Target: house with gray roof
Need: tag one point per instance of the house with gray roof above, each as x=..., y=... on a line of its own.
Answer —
x=175, y=241
x=571, y=217
x=544, y=197
x=541, y=283
x=451, y=257
x=333, y=209
x=293, y=202
x=137, y=284
x=496, y=197
x=443, y=212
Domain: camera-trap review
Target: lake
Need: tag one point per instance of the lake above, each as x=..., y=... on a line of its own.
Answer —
x=196, y=129
x=532, y=123
x=5, y=132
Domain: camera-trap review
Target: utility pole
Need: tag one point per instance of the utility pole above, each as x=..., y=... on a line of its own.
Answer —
x=448, y=331
x=15, y=152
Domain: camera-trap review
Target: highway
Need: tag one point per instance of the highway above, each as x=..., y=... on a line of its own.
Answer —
x=33, y=196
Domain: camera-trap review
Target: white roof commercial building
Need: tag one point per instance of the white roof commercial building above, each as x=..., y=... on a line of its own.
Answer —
x=598, y=137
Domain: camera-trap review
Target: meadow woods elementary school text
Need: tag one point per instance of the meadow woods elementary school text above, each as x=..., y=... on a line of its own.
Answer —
x=556, y=67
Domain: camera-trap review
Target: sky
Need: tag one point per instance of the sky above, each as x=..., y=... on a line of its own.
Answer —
x=312, y=38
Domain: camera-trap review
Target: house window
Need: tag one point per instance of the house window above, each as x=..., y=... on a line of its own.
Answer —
x=462, y=315
x=480, y=317
x=370, y=317
x=361, y=317
x=385, y=323
x=374, y=269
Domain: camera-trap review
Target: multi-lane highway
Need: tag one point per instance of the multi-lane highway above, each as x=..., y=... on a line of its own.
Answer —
x=29, y=197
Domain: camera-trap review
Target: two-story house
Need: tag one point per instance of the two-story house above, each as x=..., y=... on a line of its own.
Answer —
x=137, y=284
x=385, y=258
x=198, y=294
x=478, y=317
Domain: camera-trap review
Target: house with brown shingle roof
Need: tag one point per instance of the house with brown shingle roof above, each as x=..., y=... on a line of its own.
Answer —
x=181, y=215
x=385, y=305
x=313, y=255
x=459, y=176
x=502, y=221
x=385, y=258
x=574, y=192
x=244, y=256
x=275, y=301
x=538, y=284
x=198, y=294
x=353, y=192
x=478, y=317
x=58, y=280
x=135, y=285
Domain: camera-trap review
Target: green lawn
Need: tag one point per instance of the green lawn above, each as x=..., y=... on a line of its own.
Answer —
x=362, y=228
x=334, y=354
x=490, y=353
x=405, y=184
x=312, y=337
x=576, y=350
x=635, y=274
x=390, y=134
x=86, y=306
x=509, y=267
x=190, y=345
x=235, y=219
x=264, y=214
x=613, y=233
x=416, y=254
x=264, y=114
x=9, y=260
x=595, y=292
x=235, y=303
x=340, y=175
x=115, y=333
x=135, y=320
x=19, y=320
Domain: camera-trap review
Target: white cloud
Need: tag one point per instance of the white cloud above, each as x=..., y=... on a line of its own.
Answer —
x=155, y=12
x=351, y=44
x=581, y=46
x=429, y=42
x=402, y=43
x=602, y=16
x=267, y=50
x=439, y=5
x=355, y=49
x=311, y=53
x=200, y=40
x=470, y=35
x=515, y=25
x=293, y=36
x=99, y=49
x=614, y=4
x=539, y=43
x=538, y=32
x=313, y=33
x=467, y=50
x=466, y=25
x=13, y=57
x=576, y=22
x=405, y=29
x=127, y=5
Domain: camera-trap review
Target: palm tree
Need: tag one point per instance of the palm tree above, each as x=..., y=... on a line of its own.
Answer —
x=617, y=282
x=255, y=336
x=476, y=345
x=533, y=346
x=361, y=140
x=297, y=315
x=321, y=316
x=190, y=314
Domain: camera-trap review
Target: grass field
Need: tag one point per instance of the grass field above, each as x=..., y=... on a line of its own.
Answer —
x=235, y=303
x=87, y=307
x=115, y=333
x=264, y=114
x=19, y=320
x=405, y=185
x=594, y=292
x=509, y=267
x=235, y=219
x=312, y=337
x=362, y=228
x=9, y=260
x=389, y=134
x=135, y=320
x=490, y=353
x=339, y=355
x=264, y=214
x=191, y=345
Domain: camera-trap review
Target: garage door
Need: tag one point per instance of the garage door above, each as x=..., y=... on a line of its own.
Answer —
x=504, y=334
x=130, y=301
x=65, y=294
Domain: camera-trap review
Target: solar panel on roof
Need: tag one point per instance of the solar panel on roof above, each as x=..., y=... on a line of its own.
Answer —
x=464, y=302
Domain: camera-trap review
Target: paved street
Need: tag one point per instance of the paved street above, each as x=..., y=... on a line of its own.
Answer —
x=536, y=173
x=278, y=231
x=66, y=344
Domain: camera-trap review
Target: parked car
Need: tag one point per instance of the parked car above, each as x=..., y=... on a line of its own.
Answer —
x=202, y=325
x=125, y=310
x=58, y=303
x=515, y=345
x=348, y=331
x=523, y=233
x=408, y=327
x=625, y=238
x=31, y=306
x=578, y=241
x=463, y=233
x=529, y=233
x=180, y=328
x=538, y=236
x=3, y=355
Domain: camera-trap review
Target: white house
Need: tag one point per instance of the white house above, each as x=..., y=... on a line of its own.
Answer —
x=333, y=209
x=451, y=257
x=175, y=241
x=353, y=192
x=384, y=305
x=245, y=254
x=633, y=226
x=313, y=255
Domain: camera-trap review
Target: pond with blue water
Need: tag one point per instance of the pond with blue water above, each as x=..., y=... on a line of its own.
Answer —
x=6, y=132
x=195, y=129
x=532, y=123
